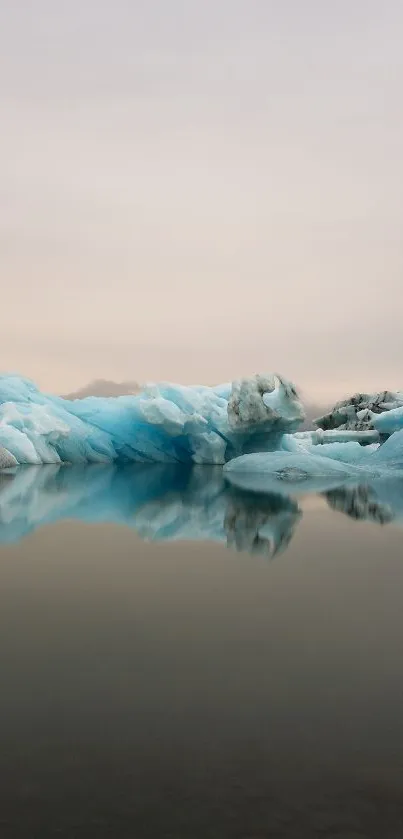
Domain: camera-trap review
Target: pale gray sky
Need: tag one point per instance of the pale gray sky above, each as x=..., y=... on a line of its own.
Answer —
x=203, y=189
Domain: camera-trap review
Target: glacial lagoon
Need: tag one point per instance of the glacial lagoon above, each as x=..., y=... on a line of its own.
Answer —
x=181, y=658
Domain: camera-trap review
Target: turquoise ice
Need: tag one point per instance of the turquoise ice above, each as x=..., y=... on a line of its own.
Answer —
x=305, y=466
x=165, y=423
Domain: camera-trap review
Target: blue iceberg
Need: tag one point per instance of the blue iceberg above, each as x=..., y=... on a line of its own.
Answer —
x=300, y=465
x=165, y=423
x=250, y=426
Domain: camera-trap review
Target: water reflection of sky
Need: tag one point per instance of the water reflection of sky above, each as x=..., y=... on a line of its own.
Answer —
x=167, y=503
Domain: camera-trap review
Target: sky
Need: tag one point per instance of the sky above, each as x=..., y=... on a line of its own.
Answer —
x=197, y=191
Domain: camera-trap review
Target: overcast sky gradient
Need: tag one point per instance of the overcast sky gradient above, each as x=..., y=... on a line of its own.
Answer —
x=203, y=189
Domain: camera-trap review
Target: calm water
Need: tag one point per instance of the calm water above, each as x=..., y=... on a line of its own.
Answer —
x=179, y=660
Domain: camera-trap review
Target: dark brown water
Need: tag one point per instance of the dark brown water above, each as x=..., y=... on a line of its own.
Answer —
x=184, y=690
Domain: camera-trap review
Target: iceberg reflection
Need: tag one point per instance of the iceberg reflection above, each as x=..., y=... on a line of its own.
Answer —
x=161, y=502
x=380, y=501
x=167, y=503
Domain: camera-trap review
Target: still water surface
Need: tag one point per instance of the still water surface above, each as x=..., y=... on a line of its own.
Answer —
x=239, y=678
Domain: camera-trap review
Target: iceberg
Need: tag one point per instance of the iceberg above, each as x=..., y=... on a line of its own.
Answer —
x=165, y=423
x=297, y=465
x=285, y=472
x=249, y=426
x=361, y=411
x=389, y=421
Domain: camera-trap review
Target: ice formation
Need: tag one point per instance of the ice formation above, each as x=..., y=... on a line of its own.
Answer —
x=360, y=412
x=250, y=426
x=164, y=423
x=161, y=502
x=296, y=464
x=285, y=472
